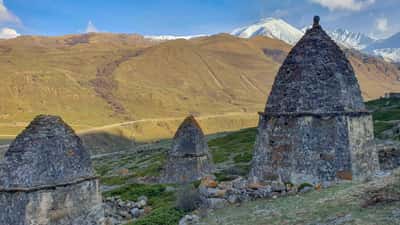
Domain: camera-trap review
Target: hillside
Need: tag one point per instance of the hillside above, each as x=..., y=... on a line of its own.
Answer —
x=94, y=80
x=232, y=153
x=371, y=203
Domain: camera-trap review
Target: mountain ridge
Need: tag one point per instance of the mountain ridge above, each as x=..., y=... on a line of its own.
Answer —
x=388, y=48
x=209, y=75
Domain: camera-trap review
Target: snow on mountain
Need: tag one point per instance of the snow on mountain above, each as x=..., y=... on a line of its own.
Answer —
x=391, y=54
x=279, y=29
x=172, y=37
x=271, y=27
x=387, y=48
x=391, y=42
x=350, y=39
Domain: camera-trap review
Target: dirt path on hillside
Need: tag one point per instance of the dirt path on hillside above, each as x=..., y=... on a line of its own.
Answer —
x=161, y=120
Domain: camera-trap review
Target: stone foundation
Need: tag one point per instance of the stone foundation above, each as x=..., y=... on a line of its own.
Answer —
x=186, y=169
x=61, y=205
x=314, y=148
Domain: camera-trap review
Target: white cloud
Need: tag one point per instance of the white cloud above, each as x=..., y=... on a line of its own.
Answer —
x=7, y=33
x=382, y=24
x=91, y=28
x=351, y=5
x=6, y=16
x=382, y=28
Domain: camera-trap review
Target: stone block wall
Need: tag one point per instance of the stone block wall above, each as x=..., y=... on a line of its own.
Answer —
x=187, y=169
x=362, y=146
x=313, y=148
x=70, y=204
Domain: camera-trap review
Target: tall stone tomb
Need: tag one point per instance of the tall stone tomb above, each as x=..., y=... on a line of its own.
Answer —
x=46, y=178
x=315, y=127
x=189, y=159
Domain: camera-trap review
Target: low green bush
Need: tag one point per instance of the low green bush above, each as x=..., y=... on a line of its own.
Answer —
x=243, y=157
x=161, y=216
x=114, y=180
x=157, y=194
x=304, y=185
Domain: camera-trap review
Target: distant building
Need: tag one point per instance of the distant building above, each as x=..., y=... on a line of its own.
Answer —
x=189, y=159
x=392, y=95
x=315, y=126
x=389, y=154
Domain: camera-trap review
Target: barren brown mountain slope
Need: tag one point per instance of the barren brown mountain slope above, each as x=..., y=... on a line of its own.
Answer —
x=98, y=79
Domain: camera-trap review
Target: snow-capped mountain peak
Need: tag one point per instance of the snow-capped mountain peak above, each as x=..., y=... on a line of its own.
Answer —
x=350, y=39
x=173, y=37
x=388, y=48
x=271, y=27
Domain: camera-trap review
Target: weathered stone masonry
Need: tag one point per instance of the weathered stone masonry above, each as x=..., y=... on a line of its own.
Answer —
x=47, y=178
x=315, y=126
x=189, y=159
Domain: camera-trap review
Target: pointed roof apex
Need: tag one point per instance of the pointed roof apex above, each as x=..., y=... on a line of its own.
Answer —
x=316, y=77
x=316, y=21
x=189, y=139
x=190, y=121
x=47, y=152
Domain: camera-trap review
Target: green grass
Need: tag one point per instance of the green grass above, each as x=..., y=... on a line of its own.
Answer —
x=385, y=113
x=161, y=201
x=238, y=144
x=143, y=164
x=381, y=126
x=114, y=180
x=382, y=103
x=157, y=194
x=315, y=207
x=243, y=157
x=161, y=216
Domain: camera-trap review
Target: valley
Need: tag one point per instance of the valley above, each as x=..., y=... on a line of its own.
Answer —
x=99, y=82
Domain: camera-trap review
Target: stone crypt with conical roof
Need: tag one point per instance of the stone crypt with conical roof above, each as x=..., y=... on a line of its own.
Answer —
x=189, y=158
x=315, y=126
x=47, y=178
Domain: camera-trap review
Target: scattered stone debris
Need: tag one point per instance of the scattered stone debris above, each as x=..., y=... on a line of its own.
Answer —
x=382, y=191
x=315, y=127
x=219, y=195
x=339, y=220
x=189, y=220
x=189, y=159
x=118, y=211
x=47, y=178
x=389, y=155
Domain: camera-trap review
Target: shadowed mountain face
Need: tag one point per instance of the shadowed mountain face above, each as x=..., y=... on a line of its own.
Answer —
x=97, y=79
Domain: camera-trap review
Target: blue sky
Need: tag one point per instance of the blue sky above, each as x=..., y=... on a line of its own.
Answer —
x=185, y=17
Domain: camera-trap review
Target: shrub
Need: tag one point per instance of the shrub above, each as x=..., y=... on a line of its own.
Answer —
x=156, y=193
x=243, y=157
x=163, y=215
x=304, y=185
x=223, y=177
x=188, y=198
x=114, y=180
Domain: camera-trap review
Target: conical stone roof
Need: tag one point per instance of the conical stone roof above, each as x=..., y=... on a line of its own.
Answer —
x=47, y=152
x=316, y=77
x=189, y=140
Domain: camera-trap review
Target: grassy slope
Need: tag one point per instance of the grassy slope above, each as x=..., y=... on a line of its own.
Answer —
x=232, y=154
x=386, y=113
x=344, y=202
